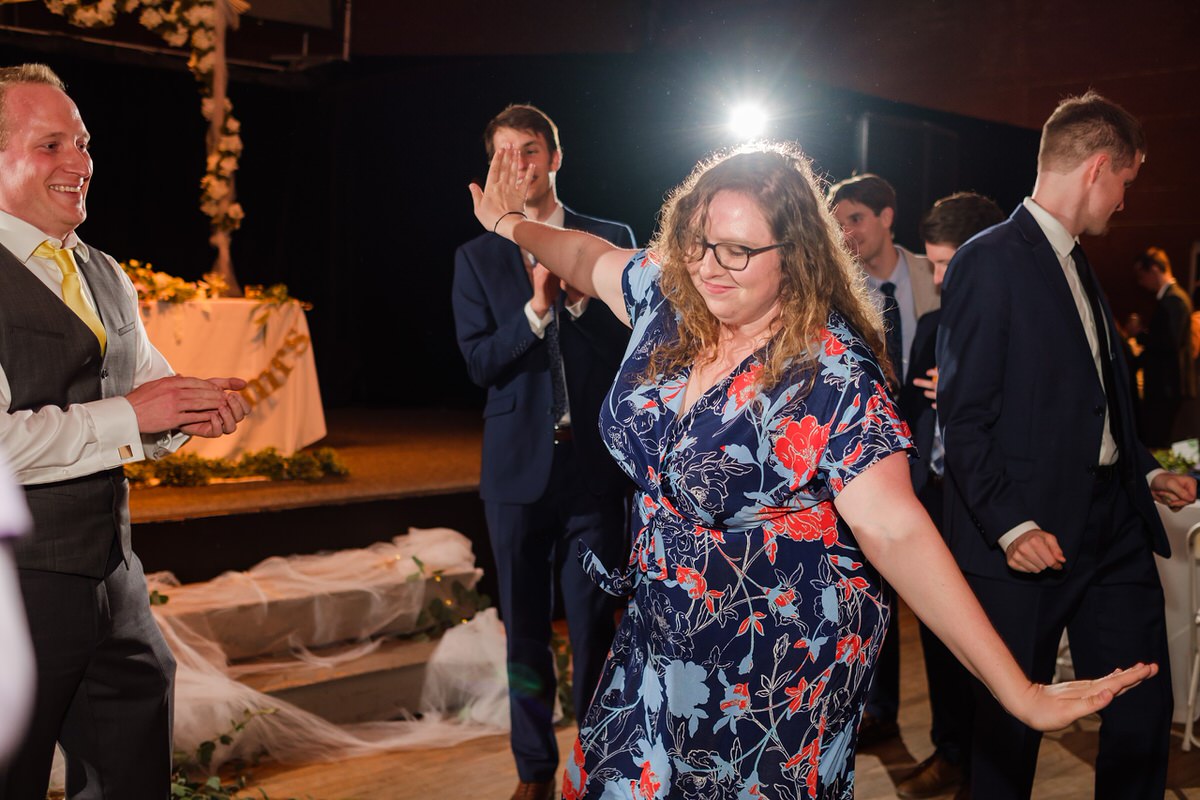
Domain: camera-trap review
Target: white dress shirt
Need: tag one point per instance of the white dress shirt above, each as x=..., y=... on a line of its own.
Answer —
x=55, y=444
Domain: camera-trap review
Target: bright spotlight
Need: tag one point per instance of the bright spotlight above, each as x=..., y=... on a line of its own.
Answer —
x=747, y=121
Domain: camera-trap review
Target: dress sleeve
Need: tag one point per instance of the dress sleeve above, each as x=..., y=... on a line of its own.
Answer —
x=864, y=424
x=639, y=284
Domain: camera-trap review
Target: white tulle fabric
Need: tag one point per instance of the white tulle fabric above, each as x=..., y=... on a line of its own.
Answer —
x=345, y=596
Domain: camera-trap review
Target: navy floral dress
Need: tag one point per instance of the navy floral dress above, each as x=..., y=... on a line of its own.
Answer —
x=742, y=664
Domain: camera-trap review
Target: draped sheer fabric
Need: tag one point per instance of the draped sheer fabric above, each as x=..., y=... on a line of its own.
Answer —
x=290, y=605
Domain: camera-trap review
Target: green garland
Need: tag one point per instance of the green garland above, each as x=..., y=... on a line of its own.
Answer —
x=1173, y=462
x=186, y=469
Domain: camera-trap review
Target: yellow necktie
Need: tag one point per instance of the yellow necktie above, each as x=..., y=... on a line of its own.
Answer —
x=72, y=289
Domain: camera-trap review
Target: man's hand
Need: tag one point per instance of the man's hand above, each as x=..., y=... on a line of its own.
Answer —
x=573, y=294
x=221, y=423
x=1173, y=491
x=194, y=406
x=1035, y=551
x=929, y=385
x=545, y=289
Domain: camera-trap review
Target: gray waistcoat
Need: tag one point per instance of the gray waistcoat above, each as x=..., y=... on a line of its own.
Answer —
x=51, y=358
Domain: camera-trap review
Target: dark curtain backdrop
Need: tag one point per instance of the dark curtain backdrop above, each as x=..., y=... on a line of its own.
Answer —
x=354, y=176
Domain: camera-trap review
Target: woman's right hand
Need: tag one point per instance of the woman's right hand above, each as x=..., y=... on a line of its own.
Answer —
x=1051, y=707
x=500, y=204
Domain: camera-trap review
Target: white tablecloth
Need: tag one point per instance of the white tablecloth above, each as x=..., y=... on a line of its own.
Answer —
x=1174, y=572
x=222, y=338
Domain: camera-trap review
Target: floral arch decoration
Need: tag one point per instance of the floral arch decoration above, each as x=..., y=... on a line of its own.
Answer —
x=200, y=24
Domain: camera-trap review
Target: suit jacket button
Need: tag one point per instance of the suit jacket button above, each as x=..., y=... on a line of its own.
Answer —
x=1098, y=411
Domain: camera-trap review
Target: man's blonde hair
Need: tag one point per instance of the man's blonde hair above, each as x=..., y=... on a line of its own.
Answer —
x=23, y=73
x=1084, y=125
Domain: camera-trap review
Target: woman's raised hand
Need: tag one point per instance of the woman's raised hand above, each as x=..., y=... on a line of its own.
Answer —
x=1050, y=707
x=502, y=199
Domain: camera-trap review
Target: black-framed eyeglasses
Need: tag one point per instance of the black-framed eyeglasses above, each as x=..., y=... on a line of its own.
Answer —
x=734, y=257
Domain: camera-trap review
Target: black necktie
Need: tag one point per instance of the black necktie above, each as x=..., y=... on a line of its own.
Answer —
x=891, y=329
x=558, y=380
x=1088, y=279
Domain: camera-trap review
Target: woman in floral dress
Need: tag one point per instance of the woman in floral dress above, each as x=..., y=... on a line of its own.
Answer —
x=752, y=412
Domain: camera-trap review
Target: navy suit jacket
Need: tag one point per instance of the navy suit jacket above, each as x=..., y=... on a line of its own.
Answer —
x=918, y=409
x=1021, y=403
x=491, y=288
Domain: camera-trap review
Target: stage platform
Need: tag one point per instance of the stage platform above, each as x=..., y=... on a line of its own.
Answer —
x=408, y=468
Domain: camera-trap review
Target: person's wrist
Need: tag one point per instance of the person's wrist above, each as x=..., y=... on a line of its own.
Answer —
x=506, y=215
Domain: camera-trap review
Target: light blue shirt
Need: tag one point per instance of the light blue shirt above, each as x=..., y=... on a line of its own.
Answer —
x=904, y=299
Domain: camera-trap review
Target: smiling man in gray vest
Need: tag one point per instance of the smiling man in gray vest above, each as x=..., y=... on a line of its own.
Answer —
x=83, y=392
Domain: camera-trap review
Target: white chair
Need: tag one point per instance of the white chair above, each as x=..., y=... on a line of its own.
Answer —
x=1193, y=544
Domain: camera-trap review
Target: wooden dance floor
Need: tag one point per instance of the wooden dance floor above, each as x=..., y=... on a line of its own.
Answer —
x=483, y=770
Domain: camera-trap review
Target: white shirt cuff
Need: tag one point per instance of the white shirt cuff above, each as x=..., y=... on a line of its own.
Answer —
x=1152, y=474
x=163, y=444
x=538, y=324
x=116, y=431
x=576, y=309
x=1015, y=534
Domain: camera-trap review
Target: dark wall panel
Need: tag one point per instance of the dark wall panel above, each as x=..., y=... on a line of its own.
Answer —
x=354, y=177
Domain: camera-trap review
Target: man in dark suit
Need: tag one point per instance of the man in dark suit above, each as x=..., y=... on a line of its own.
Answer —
x=547, y=357
x=951, y=222
x=83, y=392
x=1166, y=360
x=902, y=283
x=1050, y=497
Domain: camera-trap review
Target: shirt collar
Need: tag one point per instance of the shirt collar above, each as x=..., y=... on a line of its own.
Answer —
x=1162, y=290
x=1062, y=241
x=558, y=216
x=21, y=239
x=899, y=275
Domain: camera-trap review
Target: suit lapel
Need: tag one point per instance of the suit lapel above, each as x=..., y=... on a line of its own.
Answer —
x=511, y=280
x=920, y=274
x=1055, y=281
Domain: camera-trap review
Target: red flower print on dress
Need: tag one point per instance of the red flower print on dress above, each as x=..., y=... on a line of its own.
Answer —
x=754, y=618
x=691, y=580
x=709, y=600
x=797, y=694
x=647, y=786
x=715, y=534
x=833, y=347
x=574, y=777
x=743, y=388
x=737, y=699
x=850, y=648
x=807, y=525
x=799, y=447
x=848, y=586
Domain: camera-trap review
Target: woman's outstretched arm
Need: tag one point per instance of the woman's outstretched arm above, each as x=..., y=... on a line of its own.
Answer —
x=899, y=539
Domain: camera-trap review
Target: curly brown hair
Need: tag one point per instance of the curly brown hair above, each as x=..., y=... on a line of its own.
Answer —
x=818, y=273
